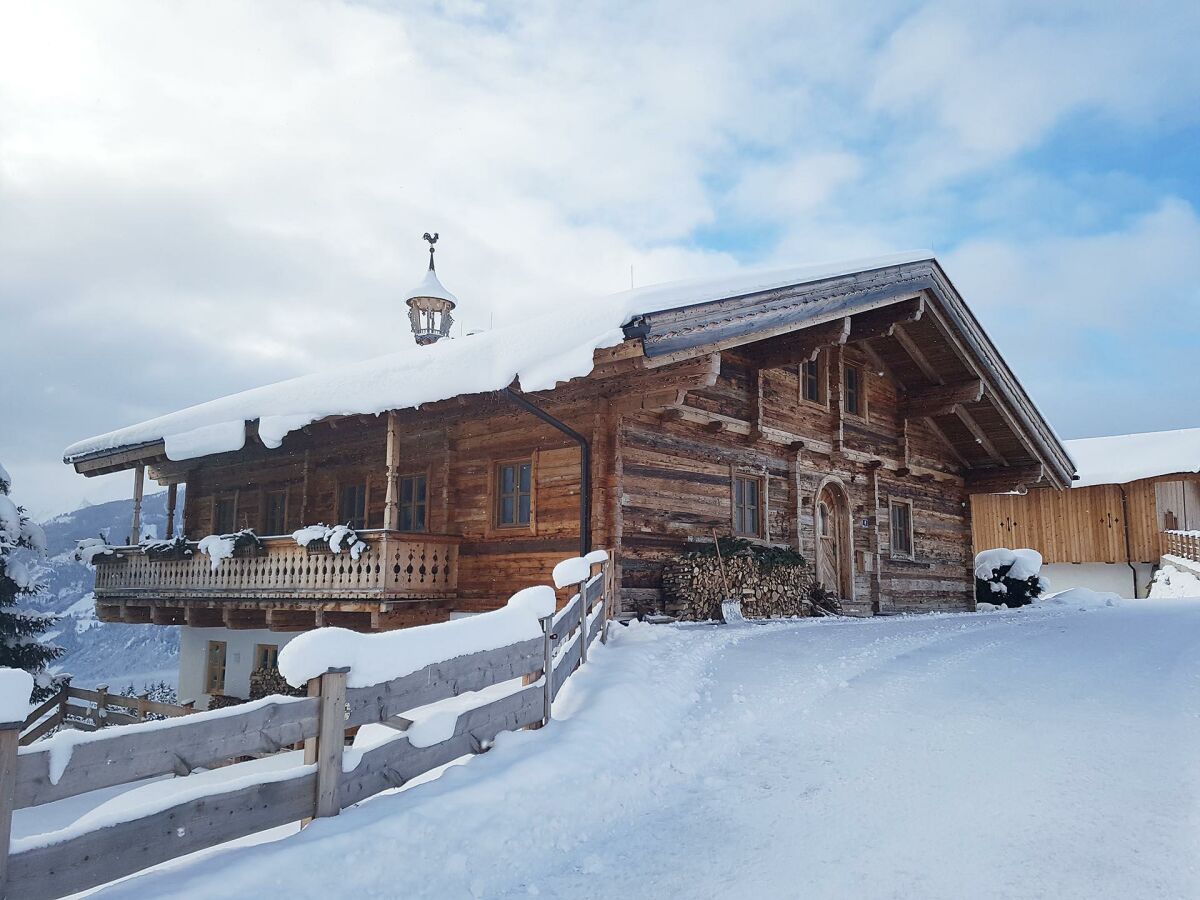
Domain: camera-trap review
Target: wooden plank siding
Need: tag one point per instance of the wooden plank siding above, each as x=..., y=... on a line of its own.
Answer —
x=1084, y=524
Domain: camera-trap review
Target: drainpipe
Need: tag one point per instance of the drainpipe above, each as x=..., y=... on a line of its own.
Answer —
x=1125, y=517
x=585, y=464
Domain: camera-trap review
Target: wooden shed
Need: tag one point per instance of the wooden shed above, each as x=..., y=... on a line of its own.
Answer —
x=1136, y=497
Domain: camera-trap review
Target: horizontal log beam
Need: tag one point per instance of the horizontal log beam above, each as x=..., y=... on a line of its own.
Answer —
x=1003, y=479
x=941, y=399
x=882, y=322
x=799, y=346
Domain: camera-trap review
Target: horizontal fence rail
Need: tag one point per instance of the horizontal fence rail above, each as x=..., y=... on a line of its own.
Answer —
x=1185, y=544
x=393, y=565
x=71, y=860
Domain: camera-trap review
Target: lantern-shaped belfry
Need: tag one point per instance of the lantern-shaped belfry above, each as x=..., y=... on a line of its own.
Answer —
x=429, y=304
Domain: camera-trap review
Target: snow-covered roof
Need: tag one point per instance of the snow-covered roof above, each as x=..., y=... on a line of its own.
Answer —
x=431, y=286
x=538, y=353
x=1121, y=458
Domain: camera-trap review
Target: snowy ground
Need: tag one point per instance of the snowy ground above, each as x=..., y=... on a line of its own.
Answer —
x=1034, y=753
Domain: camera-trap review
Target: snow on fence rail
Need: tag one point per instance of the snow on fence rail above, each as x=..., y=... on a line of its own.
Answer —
x=1182, y=543
x=99, y=849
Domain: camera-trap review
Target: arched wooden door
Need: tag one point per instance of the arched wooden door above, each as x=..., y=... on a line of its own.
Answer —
x=833, y=552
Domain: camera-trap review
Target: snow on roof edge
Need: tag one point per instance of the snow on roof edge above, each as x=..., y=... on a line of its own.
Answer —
x=1122, y=458
x=538, y=355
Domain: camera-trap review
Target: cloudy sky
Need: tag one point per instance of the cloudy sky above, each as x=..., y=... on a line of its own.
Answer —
x=197, y=198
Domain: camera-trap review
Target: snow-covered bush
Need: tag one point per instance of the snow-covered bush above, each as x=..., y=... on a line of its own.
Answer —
x=1006, y=577
x=174, y=548
x=323, y=539
x=219, y=547
x=88, y=549
x=21, y=646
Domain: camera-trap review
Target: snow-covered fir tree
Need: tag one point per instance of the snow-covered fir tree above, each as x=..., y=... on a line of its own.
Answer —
x=20, y=646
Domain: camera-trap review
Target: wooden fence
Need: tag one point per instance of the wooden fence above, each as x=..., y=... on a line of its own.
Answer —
x=1185, y=544
x=31, y=776
x=94, y=709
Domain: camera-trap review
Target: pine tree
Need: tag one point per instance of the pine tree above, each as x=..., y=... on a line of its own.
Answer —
x=20, y=647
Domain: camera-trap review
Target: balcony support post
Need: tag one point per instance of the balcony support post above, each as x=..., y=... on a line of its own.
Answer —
x=139, y=480
x=391, y=510
x=172, y=496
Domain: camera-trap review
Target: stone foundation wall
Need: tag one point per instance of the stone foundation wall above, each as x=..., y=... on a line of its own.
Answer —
x=693, y=587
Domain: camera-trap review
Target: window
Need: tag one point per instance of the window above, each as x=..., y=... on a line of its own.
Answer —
x=824, y=521
x=214, y=670
x=266, y=656
x=514, y=495
x=902, y=529
x=352, y=505
x=852, y=390
x=275, y=512
x=747, y=509
x=225, y=514
x=412, y=503
x=812, y=387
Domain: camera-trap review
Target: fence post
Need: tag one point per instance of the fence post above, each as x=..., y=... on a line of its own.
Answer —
x=101, y=712
x=583, y=617
x=610, y=588
x=326, y=748
x=10, y=736
x=547, y=667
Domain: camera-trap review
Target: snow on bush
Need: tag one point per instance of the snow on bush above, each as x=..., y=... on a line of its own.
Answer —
x=88, y=549
x=376, y=658
x=16, y=685
x=337, y=538
x=1008, y=577
x=1172, y=581
x=217, y=548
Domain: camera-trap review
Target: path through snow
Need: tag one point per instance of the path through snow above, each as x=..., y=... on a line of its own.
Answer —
x=1032, y=753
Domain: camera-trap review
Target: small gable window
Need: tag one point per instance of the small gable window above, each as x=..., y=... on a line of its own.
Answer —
x=812, y=385
x=852, y=391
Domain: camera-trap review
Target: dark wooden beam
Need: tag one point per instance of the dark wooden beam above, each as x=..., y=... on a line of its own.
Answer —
x=882, y=322
x=940, y=400
x=244, y=619
x=1001, y=479
x=981, y=437
x=918, y=357
x=202, y=617
x=799, y=346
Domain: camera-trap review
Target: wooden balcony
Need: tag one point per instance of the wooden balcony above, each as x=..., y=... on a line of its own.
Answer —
x=416, y=571
x=1184, y=544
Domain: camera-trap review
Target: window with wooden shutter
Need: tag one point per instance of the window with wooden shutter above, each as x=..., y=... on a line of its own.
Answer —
x=902, y=528
x=275, y=512
x=225, y=514
x=812, y=381
x=214, y=669
x=352, y=504
x=514, y=493
x=747, y=505
x=413, y=502
x=853, y=401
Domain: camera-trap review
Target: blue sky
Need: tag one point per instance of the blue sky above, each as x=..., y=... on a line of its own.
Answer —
x=196, y=198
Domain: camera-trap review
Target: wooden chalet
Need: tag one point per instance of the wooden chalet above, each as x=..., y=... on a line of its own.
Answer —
x=847, y=412
x=1136, y=500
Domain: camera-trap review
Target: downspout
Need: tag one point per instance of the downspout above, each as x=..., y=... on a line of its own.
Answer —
x=1125, y=517
x=585, y=464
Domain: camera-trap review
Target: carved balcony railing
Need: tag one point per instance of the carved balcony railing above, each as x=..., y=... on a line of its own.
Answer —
x=394, y=566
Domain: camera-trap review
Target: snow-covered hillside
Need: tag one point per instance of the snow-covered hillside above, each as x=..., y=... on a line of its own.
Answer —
x=1041, y=752
x=96, y=652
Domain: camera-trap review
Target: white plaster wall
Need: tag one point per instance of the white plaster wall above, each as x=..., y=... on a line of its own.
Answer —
x=1114, y=577
x=239, y=658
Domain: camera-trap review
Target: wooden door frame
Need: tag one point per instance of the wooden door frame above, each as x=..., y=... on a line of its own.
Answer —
x=843, y=524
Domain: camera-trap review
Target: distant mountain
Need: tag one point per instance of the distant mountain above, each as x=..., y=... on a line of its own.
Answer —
x=99, y=652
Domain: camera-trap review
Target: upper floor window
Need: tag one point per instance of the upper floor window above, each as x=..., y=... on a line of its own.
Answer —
x=852, y=391
x=352, y=504
x=902, y=528
x=747, y=505
x=413, y=502
x=812, y=385
x=225, y=514
x=514, y=495
x=275, y=512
